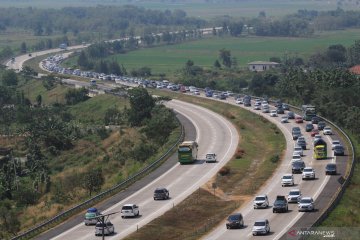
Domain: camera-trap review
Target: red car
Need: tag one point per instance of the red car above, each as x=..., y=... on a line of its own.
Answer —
x=314, y=132
x=299, y=119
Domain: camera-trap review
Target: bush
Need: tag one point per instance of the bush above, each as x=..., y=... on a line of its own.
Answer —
x=275, y=158
x=239, y=153
x=224, y=171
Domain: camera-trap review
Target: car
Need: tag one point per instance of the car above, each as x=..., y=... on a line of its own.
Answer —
x=302, y=143
x=261, y=201
x=273, y=113
x=299, y=150
x=239, y=101
x=215, y=95
x=306, y=204
x=297, y=166
x=339, y=150
x=308, y=173
x=296, y=133
x=247, y=103
x=261, y=227
x=291, y=115
x=296, y=157
x=321, y=125
x=161, y=193
x=285, y=106
x=294, y=196
x=257, y=107
x=235, y=221
x=263, y=103
x=107, y=228
x=222, y=96
x=317, y=137
x=196, y=92
x=280, y=204
x=284, y=119
x=279, y=110
x=299, y=119
x=309, y=127
x=315, y=120
x=210, y=157
x=287, y=180
x=266, y=108
x=130, y=210
x=330, y=169
x=334, y=143
x=314, y=132
x=327, y=130
x=90, y=216
x=209, y=93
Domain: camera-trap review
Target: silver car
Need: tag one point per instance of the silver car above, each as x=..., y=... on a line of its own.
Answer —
x=261, y=227
x=108, y=228
x=261, y=201
x=306, y=204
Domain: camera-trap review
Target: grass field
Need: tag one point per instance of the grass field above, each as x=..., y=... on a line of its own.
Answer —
x=199, y=8
x=168, y=59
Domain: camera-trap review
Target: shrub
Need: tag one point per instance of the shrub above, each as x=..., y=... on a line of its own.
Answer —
x=224, y=171
x=275, y=158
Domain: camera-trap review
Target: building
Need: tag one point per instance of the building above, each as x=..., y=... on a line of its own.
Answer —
x=355, y=69
x=259, y=66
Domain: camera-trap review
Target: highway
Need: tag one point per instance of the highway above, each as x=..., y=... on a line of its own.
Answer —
x=214, y=134
x=176, y=180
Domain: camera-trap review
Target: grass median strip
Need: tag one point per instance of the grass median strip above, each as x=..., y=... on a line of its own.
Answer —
x=259, y=152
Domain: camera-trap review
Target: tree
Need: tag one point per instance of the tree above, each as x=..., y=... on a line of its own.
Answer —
x=217, y=64
x=83, y=60
x=23, y=48
x=39, y=100
x=92, y=180
x=74, y=96
x=9, y=78
x=225, y=56
x=8, y=219
x=141, y=103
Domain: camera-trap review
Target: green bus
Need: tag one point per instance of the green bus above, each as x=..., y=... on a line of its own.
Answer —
x=187, y=152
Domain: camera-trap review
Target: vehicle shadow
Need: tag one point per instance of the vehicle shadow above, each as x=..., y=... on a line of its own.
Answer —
x=198, y=161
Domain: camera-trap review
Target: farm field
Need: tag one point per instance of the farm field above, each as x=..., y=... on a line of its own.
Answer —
x=168, y=59
x=199, y=8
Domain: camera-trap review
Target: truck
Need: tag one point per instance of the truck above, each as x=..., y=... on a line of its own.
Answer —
x=308, y=111
x=280, y=204
x=320, y=149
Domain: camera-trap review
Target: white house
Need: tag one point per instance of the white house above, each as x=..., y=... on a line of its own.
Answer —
x=259, y=66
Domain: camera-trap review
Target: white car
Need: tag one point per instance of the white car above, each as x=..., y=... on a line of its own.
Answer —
x=239, y=101
x=306, y=204
x=296, y=157
x=257, y=107
x=196, y=92
x=294, y=196
x=130, y=210
x=284, y=119
x=308, y=173
x=299, y=150
x=335, y=143
x=261, y=227
x=273, y=113
x=108, y=228
x=261, y=201
x=327, y=130
x=210, y=157
x=287, y=180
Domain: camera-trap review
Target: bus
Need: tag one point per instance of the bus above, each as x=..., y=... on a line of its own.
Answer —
x=320, y=149
x=309, y=112
x=187, y=152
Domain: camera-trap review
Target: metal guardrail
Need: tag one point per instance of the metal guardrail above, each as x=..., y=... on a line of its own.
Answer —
x=101, y=195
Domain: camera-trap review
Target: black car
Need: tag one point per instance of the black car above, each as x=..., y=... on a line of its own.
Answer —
x=315, y=120
x=339, y=150
x=309, y=127
x=321, y=125
x=161, y=193
x=301, y=143
x=235, y=221
x=297, y=166
x=330, y=169
x=285, y=106
x=280, y=204
x=279, y=110
x=291, y=115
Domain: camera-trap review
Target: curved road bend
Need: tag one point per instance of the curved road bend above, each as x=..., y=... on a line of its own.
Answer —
x=190, y=134
x=214, y=134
